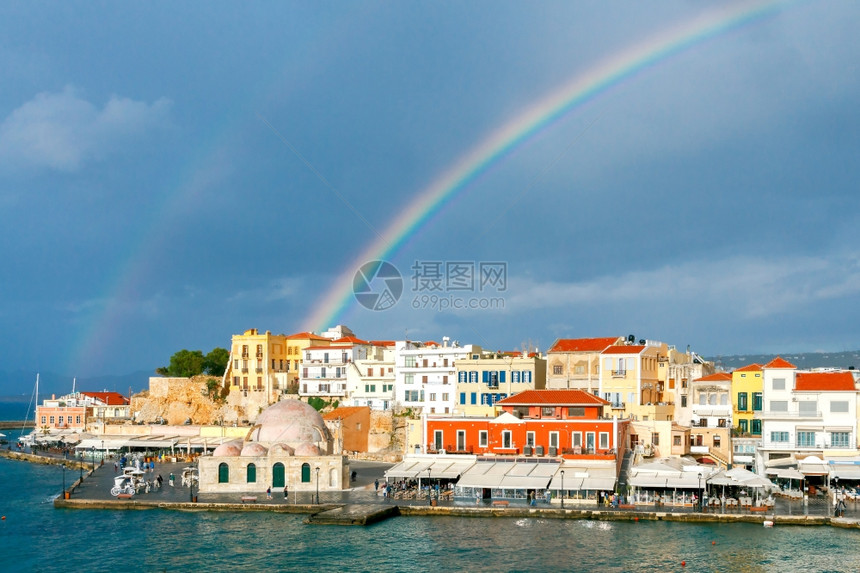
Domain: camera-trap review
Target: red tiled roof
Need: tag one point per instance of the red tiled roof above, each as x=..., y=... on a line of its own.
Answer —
x=388, y=343
x=833, y=381
x=351, y=339
x=339, y=347
x=109, y=398
x=344, y=412
x=779, y=363
x=749, y=367
x=582, y=344
x=553, y=398
x=632, y=349
x=308, y=335
x=716, y=377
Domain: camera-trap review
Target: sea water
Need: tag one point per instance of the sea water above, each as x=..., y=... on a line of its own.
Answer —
x=37, y=537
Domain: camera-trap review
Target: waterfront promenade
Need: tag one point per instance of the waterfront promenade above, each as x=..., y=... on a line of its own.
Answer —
x=93, y=492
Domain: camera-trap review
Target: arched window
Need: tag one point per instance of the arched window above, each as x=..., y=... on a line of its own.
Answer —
x=223, y=473
x=306, y=473
x=252, y=473
x=278, y=475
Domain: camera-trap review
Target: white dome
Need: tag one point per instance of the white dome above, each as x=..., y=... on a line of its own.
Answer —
x=291, y=422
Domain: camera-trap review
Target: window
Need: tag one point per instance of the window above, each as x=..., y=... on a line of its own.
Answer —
x=840, y=439
x=655, y=439
x=604, y=440
x=445, y=396
x=553, y=439
x=223, y=473
x=78, y=419
x=717, y=441
x=530, y=439
x=60, y=420
x=251, y=474
x=547, y=411
x=424, y=379
x=839, y=406
x=683, y=401
x=437, y=440
x=779, y=437
x=43, y=420
x=756, y=427
x=575, y=412
x=461, y=377
x=462, y=398
x=742, y=401
x=742, y=426
x=461, y=440
x=724, y=399
x=432, y=396
x=506, y=439
x=515, y=376
x=805, y=439
x=778, y=406
x=757, y=401
x=807, y=408
x=576, y=439
x=52, y=419
x=306, y=473
x=473, y=377
x=482, y=438
x=556, y=369
x=676, y=441
x=370, y=371
x=778, y=384
x=712, y=399
x=703, y=399
x=408, y=378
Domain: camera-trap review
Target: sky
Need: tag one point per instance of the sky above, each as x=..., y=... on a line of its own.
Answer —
x=172, y=174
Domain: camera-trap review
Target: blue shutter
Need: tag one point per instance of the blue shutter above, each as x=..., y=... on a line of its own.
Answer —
x=474, y=398
x=463, y=398
x=502, y=376
x=486, y=376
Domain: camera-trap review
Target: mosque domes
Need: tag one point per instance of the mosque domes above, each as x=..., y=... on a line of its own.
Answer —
x=291, y=422
x=254, y=449
x=282, y=450
x=232, y=448
x=307, y=449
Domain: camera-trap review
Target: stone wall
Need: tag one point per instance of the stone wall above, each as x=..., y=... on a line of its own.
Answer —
x=176, y=400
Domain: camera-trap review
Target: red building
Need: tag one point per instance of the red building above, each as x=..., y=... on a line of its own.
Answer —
x=565, y=424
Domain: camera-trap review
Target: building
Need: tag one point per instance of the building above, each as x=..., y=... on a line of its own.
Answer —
x=574, y=363
x=806, y=414
x=296, y=345
x=426, y=375
x=370, y=382
x=675, y=371
x=747, y=400
x=493, y=376
x=350, y=428
x=75, y=411
x=711, y=427
x=258, y=364
x=324, y=368
x=630, y=381
x=289, y=445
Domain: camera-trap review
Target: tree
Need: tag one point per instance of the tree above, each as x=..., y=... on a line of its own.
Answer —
x=184, y=364
x=216, y=361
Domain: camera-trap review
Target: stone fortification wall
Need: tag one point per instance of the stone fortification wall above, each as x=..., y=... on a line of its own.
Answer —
x=176, y=400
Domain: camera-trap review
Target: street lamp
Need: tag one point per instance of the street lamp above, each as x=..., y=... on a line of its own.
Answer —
x=93, y=457
x=562, y=489
x=701, y=492
x=64, y=481
x=318, y=484
x=103, y=452
x=191, y=485
x=429, y=489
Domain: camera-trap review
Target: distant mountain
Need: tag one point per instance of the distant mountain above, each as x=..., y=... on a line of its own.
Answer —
x=19, y=384
x=803, y=360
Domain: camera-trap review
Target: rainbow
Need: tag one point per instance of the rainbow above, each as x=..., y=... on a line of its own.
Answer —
x=501, y=143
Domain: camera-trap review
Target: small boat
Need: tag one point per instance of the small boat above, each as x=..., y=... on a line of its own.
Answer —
x=768, y=523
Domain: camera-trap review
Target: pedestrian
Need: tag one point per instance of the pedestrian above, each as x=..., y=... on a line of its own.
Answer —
x=170, y=479
x=376, y=484
x=269, y=492
x=115, y=467
x=152, y=465
x=286, y=492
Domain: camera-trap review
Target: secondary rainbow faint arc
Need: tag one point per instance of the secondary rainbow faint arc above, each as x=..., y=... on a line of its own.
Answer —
x=501, y=142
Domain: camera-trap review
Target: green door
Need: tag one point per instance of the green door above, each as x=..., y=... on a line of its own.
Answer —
x=306, y=473
x=252, y=473
x=278, y=475
x=223, y=473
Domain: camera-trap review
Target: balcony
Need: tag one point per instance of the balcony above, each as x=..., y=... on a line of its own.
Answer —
x=617, y=405
x=768, y=445
x=619, y=373
x=787, y=415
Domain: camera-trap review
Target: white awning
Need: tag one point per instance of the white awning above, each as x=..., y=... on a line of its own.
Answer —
x=479, y=480
x=648, y=481
x=524, y=482
x=845, y=472
x=402, y=470
x=599, y=482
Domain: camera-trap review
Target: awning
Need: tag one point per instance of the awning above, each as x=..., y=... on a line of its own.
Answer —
x=402, y=470
x=524, y=482
x=847, y=472
x=479, y=480
x=448, y=470
x=648, y=481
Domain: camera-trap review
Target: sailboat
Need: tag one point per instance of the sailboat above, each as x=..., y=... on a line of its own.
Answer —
x=30, y=439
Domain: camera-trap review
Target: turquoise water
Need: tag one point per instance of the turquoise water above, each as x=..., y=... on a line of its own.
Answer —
x=37, y=537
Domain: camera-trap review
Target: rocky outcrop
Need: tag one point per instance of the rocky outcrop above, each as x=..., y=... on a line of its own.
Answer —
x=176, y=400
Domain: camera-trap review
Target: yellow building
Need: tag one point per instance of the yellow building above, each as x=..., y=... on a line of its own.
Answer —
x=481, y=382
x=296, y=344
x=258, y=363
x=747, y=383
x=629, y=379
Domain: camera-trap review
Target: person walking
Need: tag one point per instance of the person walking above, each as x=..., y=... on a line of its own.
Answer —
x=269, y=492
x=376, y=484
x=286, y=492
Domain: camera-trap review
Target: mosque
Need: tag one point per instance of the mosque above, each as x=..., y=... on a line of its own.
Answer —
x=289, y=445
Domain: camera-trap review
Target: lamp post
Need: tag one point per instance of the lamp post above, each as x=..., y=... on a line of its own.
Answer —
x=318, y=484
x=191, y=486
x=64, y=481
x=429, y=489
x=81, y=465
x=701, y=492
x=104, y=452
x=562, y=489
x=93, y=457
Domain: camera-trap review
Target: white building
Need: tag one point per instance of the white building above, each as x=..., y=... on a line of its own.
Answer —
x=323, y=370
x=425, y=374
x=370, y=382
x=806, y=414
